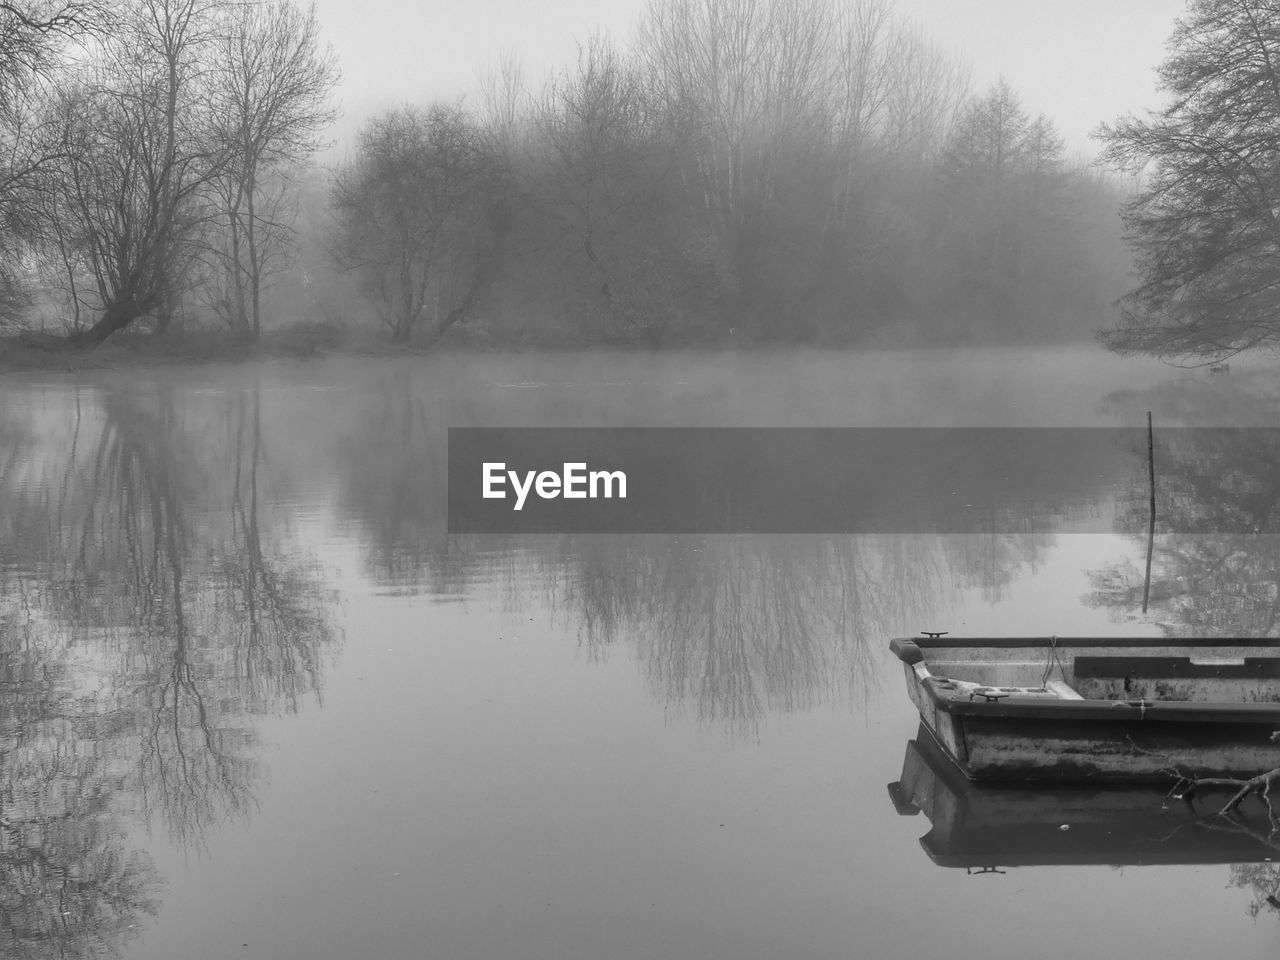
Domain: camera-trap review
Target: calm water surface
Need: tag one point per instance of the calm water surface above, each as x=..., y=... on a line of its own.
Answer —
x=254, y=702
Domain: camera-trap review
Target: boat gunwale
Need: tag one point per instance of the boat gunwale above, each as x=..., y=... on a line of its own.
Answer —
x=910, y=650
x=898, y=644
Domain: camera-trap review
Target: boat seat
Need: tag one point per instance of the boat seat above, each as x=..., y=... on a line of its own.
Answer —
x=1062, y=690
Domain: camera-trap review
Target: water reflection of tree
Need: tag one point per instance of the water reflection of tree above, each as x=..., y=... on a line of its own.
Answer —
x=1220, y=489
x=159, y=606
x=1221, y=576
x=281, y=604
x=742, y=626
x=1226, y=585
x=734, y=626
x=68, y=885
x=1263, y=881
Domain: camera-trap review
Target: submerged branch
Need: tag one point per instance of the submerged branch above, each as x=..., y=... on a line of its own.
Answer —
x=1260, y=785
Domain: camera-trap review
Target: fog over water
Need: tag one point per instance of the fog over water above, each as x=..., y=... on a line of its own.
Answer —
x=254, y=701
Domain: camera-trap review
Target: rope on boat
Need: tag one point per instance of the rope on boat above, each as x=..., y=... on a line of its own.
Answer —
x=1050, y=659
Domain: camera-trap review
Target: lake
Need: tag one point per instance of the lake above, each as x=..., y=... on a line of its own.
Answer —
x=256, y=702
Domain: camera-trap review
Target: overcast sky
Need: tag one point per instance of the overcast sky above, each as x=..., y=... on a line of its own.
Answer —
x=1079, y=61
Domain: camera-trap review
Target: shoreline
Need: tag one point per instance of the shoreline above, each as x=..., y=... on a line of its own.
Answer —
x=37, y=352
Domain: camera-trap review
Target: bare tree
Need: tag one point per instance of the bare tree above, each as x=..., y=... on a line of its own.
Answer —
x=792, y=118
x=416, y=215
x=33, y=40
x=990, y=136
x=141, y=148
x=32, y=37
x=597, y=170
x=506, y=103
x=747, y=78
x=1204, y=227
x=273, y=86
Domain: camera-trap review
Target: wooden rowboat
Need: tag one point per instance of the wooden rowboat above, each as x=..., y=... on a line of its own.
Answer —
x=1095, y=709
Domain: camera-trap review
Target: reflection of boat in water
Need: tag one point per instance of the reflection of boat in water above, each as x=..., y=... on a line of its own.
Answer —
x=979, y=825
x=1094, y=709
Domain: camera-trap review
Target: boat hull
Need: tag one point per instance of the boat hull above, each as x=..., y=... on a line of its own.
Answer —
x=979, y=826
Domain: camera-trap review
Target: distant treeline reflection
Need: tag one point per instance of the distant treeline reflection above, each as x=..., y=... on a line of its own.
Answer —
x=1219, y=574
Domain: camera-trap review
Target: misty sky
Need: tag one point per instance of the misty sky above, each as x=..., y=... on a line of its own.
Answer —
x=1080, y=62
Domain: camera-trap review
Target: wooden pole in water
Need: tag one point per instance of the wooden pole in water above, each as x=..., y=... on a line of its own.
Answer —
x=1151, y=524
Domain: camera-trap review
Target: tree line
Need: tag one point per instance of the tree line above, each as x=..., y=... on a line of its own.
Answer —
x=795, y=171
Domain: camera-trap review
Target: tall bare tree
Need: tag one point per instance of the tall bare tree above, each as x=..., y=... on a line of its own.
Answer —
x=141, y=147
x=746, y=79
x=1205, y=227
x=34, y=35
x=787, y=113
x=599, y=171
x=416, y=215
x=506, y=102
x=273, y=86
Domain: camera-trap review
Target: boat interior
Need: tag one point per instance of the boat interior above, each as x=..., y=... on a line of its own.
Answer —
x=1240, y=671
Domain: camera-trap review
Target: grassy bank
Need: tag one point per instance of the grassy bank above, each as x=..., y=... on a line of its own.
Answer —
x=43, y=351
